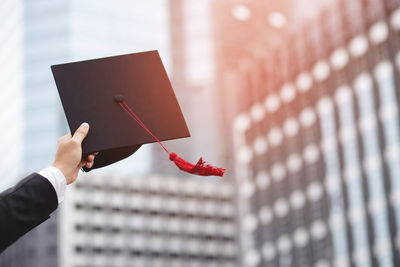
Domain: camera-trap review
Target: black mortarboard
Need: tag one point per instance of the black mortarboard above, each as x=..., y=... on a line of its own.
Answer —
x=105, y=92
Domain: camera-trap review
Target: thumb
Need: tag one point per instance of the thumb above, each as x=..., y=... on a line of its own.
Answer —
x=81, y=132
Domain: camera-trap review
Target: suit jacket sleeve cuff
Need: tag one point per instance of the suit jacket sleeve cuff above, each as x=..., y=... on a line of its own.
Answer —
x=57, y=180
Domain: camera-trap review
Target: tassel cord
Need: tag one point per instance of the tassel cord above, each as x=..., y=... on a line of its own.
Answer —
x=201, y=168
x=136, y=118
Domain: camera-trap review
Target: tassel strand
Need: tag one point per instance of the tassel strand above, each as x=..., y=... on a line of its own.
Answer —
x=201, y=168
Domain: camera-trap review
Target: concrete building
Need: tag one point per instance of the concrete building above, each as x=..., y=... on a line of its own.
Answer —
x=113, y=220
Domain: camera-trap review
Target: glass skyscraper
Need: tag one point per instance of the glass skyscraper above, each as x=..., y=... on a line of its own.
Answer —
x=192, y=75
x=12, y=101
x=37, y=34
x=12, y=98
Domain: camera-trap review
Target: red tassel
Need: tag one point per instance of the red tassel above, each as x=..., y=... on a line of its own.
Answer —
x=201, y=168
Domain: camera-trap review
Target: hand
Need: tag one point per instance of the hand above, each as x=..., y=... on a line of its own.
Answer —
x=68, y=158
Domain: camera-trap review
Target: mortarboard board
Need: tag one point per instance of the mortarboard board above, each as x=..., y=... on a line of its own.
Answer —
x=128, y=101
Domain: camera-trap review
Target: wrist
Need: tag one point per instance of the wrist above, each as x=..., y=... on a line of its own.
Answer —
x=57, y=180
x=60, y=168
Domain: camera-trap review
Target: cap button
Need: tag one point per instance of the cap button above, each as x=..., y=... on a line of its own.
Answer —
x=119, y=98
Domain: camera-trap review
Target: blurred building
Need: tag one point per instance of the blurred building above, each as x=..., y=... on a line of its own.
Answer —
x=192, y=75
x=316, y=131
x=45, y=42
x=148, y=221
x=11, y=99
x=38, y=34
x=11, y=95
x=105, y=28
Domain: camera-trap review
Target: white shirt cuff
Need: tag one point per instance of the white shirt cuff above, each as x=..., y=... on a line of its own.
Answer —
x=57, y=180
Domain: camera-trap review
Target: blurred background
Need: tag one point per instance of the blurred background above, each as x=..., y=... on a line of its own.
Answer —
x=298, y=99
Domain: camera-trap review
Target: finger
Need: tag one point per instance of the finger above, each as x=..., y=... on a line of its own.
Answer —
x=90, y=158
x=89, y=164
x=81, y=164
x=95, y=153
x=64, y=137
x=81, y=132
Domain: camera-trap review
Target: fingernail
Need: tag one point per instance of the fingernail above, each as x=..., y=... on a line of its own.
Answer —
x=85, y=125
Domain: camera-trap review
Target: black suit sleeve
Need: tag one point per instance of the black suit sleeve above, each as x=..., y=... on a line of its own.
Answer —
x=25, y=206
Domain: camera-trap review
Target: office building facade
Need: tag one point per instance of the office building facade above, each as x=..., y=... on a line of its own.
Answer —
x=148, y=221
x=317, y=138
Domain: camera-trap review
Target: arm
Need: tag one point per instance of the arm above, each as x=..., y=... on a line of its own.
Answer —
x=30, y=202
x=25, y=206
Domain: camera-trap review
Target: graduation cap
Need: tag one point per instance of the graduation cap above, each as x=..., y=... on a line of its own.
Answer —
x=128, y=101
